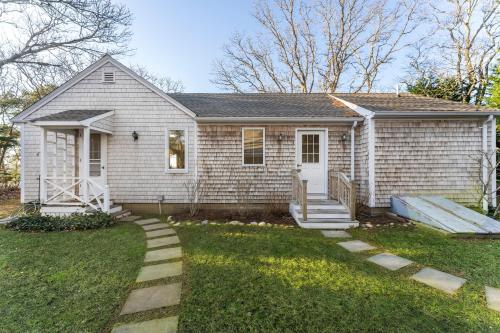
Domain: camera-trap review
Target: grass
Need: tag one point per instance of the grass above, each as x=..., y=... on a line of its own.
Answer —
x=66, y=281
x=254, y=279
x=8, y=206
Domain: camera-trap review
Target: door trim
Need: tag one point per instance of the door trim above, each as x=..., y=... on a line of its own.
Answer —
x=325, y=150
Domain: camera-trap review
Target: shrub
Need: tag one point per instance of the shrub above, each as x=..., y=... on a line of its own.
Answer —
x=38, y=222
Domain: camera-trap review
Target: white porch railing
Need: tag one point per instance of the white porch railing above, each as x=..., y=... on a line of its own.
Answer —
x=343, y=189
x=82, y=191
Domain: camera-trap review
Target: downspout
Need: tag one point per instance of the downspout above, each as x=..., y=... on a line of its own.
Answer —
x=354, y=124
x=485, y=162
x=494, y=161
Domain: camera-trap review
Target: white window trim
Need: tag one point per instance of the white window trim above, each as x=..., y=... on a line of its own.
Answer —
x=186, y=150
x=114, y=76
x=243, y=129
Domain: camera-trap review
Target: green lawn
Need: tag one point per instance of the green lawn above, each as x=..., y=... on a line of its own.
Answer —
x=254, y=279
x=66, y=281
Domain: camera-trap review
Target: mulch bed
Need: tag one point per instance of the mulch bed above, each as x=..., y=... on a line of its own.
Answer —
x=247, y=217
x=383, y=220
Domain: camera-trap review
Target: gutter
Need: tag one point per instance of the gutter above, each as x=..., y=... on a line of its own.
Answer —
x=433, y=114
x=277, y=119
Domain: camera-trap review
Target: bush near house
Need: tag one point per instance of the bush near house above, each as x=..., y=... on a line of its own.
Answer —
x=38, y=222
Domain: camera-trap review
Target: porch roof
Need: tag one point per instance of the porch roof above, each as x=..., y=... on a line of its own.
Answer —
x=72, y=115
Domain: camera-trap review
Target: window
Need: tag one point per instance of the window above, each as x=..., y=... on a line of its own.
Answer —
x=176, y=150
x=310, y=148
x=108, y=77
x=95, y=155
x=253, y=146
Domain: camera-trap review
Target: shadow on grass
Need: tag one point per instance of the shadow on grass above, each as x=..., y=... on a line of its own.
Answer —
x=244, y=279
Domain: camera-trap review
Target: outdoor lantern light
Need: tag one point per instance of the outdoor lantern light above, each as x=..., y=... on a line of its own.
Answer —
x=280, y=137
x=135, y=136
x=344, y=138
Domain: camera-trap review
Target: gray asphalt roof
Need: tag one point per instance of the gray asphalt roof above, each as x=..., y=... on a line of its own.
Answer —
x=72, y=115
x=406, y=103
x=263, y=105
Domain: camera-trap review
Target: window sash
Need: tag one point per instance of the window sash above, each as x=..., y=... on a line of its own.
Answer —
x=253, y=146
x=176, y=150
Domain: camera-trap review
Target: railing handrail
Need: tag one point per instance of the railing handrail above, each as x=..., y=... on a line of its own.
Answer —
x=344, y=191
x=299, y=191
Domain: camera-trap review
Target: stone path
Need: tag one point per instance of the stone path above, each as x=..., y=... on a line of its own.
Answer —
x=445, y=282
x=439, y=280
x=356, y=246
x=493, y=298
x=389, y=261
x=335, y=234
x=163, y=247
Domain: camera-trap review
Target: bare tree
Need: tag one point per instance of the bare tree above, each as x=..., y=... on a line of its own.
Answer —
x=61, y=35
x=388, y=30
x=304, y=48
x=470, y=35
x=194, y=190
x=282, y=59
x=165, y=83
x=487, y=186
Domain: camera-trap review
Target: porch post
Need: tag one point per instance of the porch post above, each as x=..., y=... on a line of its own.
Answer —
x=353, y=145
x=43, y=164
x=85, y=163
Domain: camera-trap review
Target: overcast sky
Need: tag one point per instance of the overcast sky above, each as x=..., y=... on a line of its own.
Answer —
x=181, y=39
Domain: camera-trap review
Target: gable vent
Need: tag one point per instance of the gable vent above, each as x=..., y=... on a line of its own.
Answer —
x=108, y=77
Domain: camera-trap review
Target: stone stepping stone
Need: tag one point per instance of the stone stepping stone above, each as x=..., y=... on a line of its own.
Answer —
x=356, y=246
x=164, y=241
x=159, y=271
x=158, y=233
x=155, y=226
x=163, y=325
x=163, y=254
x=493, y=298
x=390, y=261
x=152, y=298
x=147, y=221
x=439, y=280
x=335, y=234
x=130, y=218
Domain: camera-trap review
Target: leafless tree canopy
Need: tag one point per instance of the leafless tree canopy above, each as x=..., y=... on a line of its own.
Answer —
x=462, y=42
x=307, y=47
x=59, y=37
x=165, y=83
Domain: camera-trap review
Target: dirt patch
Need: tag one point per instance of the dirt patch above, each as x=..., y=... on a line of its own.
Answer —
x=228, y=216
x=386, y=220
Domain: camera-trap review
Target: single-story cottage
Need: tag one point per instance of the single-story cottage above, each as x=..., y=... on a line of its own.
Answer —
x=109, y=137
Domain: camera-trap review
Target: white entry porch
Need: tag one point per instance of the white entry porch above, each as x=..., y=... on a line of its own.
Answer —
x=73, y=162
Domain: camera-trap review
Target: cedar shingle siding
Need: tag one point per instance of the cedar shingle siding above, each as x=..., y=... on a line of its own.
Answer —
x=225, y=179
x=427, y=157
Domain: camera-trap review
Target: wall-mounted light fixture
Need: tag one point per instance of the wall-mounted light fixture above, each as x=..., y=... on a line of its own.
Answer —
x=344, y=138
x=135, y=135
x=280, y=137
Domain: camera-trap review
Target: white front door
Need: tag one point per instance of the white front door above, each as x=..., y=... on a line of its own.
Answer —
x=97, y=158
x=311, y=159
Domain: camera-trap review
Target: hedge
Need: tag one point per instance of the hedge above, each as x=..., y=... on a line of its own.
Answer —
x=38, y=222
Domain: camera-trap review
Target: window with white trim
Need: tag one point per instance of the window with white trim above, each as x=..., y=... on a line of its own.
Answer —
x=253, y=142
x=176, y=150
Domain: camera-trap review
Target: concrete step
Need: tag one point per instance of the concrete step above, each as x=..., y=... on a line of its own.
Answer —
x=319, y=216
x=121, y=214
x=115, y=208
x=317, y=196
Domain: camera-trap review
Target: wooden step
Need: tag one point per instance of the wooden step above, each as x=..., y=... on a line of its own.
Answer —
x=115, y=208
